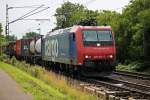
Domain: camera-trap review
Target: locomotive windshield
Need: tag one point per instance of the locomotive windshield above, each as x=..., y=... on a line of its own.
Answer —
x=97, y=37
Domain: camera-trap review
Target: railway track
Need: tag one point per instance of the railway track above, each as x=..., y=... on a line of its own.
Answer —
x=120, y=90
x=130, y=85
x=133, y=75
x=134, y=87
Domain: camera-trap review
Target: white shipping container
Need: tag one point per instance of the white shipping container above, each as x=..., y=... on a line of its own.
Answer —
x=32, y=46
x=38, y=46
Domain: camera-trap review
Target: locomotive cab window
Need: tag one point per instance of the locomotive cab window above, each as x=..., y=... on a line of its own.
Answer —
x=97, y=37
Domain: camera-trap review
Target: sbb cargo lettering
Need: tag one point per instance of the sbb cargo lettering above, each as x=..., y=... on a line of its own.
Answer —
x=51, y=48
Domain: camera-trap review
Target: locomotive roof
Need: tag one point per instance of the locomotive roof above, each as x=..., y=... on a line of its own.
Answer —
x=105, y=27
x=59, y=31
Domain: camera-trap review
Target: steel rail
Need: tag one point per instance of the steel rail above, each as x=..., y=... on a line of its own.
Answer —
x=136, y=86
x=133, y=74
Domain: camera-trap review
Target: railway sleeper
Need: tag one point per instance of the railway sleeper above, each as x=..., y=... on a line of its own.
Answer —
x=118, y=93
x=105, y=94
x=112, y=97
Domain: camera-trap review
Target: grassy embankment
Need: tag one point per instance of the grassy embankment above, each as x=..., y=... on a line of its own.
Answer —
x=42, y=84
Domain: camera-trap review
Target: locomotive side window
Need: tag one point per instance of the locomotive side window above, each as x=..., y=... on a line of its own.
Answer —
x=90, y=36
x=97, y=37
x=104, y=35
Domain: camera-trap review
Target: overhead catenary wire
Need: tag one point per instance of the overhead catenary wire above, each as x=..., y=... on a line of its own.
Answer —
x=36, y=19
x=35, y=13
x=32, y=12
x=26, y=14
x=88, y=2
x=32, y=6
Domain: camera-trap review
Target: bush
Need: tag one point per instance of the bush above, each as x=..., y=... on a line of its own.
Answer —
x=126, y=62
x=36, y=72
x=132, y=67
x=140, y=67
x=13, y=60
x=3, y=57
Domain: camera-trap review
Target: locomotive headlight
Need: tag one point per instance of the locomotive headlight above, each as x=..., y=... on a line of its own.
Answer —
x=86, y=56
x=111, y=56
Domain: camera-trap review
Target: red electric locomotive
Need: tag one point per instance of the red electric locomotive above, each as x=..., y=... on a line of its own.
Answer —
x=86, y=48
x=95, y=48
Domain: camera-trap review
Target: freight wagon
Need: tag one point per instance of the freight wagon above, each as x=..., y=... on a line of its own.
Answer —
x=22, y=48
x=35, y=50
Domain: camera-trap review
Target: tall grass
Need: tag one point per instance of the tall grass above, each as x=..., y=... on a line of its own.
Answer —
x=57, y=82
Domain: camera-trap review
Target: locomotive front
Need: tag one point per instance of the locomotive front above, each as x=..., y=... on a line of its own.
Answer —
x=96, y=47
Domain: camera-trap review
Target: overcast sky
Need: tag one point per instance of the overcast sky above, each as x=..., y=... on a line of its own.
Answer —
x=20, y=27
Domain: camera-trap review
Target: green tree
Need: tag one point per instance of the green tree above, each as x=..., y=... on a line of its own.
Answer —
x=11, y=38
x=137, y=28
x=2, y=38
x=1, y=30
x=144, y=17
x=30, y=35
x=66, y=11
x=77, y=16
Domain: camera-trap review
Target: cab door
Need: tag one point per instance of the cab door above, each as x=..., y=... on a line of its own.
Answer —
x=72, y=49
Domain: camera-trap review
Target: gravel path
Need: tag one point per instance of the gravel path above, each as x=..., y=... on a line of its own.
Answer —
x=10, y=90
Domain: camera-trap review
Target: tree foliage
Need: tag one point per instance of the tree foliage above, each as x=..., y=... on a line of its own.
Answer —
x=137, y=29
x=1, y=30
x=11, y=38
x=30, y=35
x=66, y=13
x=144, y=18
x=69, y=14
x=2, y=38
